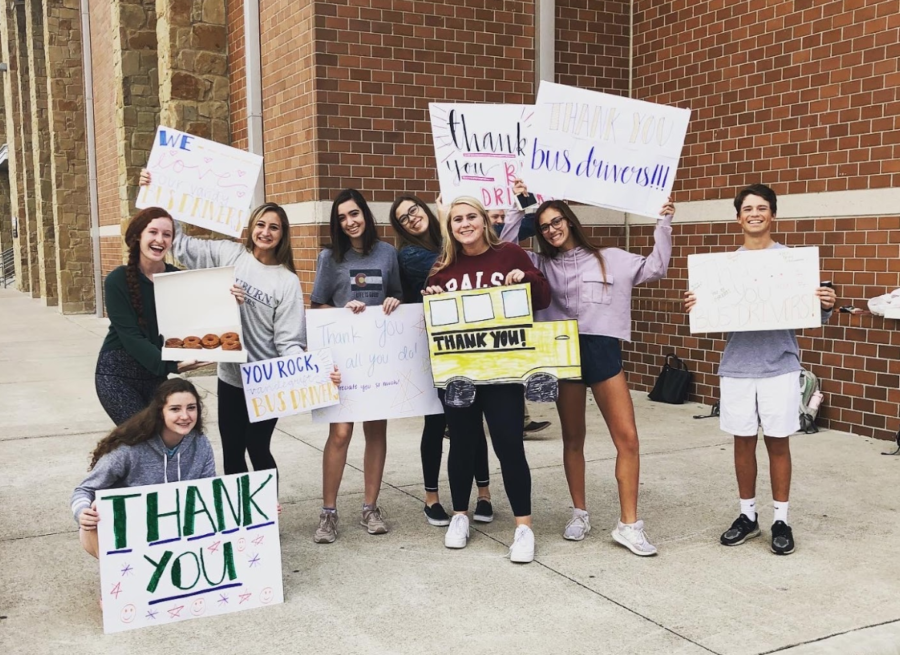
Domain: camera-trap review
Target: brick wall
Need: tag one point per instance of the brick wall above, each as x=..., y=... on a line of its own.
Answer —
x=592, y=45
x=237, y=74
x=802, y=93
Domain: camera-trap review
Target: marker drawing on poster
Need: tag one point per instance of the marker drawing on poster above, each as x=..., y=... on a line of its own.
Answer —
x=289, y=385
x=480, y=150
x=200, y=182
x=750, y=290
x=489, y=336
x=185, y=550
x=603, y=149
x=383, y=360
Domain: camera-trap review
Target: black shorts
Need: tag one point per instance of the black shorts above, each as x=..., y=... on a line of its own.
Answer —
x=601, y=358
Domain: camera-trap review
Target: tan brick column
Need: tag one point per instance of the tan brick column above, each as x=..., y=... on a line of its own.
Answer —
x=137, y=93
x=193, y=67
x=68, y=161
x=40, y=153
x=5, y=207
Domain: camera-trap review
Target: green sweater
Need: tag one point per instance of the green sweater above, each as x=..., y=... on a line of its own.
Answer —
x=145, y=345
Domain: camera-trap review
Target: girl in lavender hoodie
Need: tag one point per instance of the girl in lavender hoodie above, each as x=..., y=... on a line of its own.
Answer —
x=593, y=285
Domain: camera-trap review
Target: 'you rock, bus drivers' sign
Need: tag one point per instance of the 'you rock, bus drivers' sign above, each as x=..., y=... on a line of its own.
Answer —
x=185, y=550
x=603, y=149
x=200, y=182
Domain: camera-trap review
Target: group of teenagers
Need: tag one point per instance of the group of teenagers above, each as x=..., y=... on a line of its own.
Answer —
x=159, y=433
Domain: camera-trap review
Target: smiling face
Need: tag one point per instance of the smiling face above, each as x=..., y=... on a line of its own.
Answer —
x=180, y=414
x=198, y=606
x=412, y=218
x=352, y=221
x=755, y=216
x=156, y=239
x=128, y=613
x=265, y=596
x=555, y=229
x=267, y=232
x=467, y=227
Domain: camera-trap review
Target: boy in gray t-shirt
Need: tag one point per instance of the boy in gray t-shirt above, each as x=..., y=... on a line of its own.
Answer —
x=759, y=385
x=367, y=278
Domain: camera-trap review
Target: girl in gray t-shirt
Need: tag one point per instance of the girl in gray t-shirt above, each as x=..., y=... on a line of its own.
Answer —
x=356, y=271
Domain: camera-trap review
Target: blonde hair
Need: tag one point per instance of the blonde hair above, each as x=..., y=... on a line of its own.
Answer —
x=450, y=247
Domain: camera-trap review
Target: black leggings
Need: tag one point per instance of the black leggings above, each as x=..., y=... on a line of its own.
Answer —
x=502, y=406
x=124, y=387
x=240, y=436
x=432, y=449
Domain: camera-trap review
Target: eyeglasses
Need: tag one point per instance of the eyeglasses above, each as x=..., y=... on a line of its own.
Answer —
x=554, y=223
x=412, y=213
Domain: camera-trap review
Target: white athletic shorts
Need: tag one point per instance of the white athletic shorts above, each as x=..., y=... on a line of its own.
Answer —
x=747, y=403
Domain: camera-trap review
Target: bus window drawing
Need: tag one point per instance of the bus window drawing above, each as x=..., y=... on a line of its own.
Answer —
x=489, y=336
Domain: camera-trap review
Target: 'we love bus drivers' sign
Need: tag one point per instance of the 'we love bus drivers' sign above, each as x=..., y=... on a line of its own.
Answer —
x=185, y=550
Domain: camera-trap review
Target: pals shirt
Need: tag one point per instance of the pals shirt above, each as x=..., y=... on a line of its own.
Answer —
x=489, y=269
x=368, y=278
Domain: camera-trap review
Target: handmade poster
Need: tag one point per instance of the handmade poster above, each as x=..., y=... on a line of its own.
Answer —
x=603, y=149
x=185, y=550
x=480, y=150
x=198, y=317
x=489, y=336
x=383, y=360
x=200, y=182
x=749, y=290
x=289, y=385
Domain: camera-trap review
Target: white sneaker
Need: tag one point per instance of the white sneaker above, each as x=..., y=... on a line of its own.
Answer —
x=578, y=526
x=458, y=532
x=634, y=538
x=522, y=549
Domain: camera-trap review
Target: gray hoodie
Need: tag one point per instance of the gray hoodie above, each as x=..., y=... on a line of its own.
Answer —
x=146, y=463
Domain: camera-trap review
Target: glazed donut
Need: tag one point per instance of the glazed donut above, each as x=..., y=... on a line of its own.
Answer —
x=174, y=342
x=210, y=341
x=231, y=336
x=231, y=345
x=192, y=342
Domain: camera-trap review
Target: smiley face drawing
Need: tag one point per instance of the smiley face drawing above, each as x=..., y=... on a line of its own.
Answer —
x=241, y=544
x=198, y=607
x=265, y=596
x=128, y=613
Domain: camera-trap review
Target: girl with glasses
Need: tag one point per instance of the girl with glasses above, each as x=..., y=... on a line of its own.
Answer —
x=420, y=243
x=593, y=285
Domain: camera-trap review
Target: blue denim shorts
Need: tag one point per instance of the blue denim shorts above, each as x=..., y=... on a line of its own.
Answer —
x=601, y=358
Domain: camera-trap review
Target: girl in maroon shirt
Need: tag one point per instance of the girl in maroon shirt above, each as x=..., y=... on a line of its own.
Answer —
x=472, y=257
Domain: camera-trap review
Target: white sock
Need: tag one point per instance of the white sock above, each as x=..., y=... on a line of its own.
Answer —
x=748, y=508
x=781, y=509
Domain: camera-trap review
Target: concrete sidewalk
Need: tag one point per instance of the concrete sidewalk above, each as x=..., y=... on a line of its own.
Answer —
x=405, y=593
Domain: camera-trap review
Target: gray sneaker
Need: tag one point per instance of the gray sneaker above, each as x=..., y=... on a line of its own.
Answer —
x=326, y=533
x=578, y=526
x=373, y=520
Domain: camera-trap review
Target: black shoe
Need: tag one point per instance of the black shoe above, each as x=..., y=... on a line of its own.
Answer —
x=741, y=530
x=782, y=538
x=436, y=515
x=536, y=426
x=484, y=512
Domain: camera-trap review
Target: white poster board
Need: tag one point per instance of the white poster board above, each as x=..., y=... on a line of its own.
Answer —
x=185, y=550
x=196, y=304
x=604, y=150
x=750, y=290
x=200, y=182
x=480, y=150
x=383, y=360
x=289, y=385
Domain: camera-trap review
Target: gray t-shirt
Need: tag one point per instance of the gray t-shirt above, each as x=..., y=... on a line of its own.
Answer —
x=370, y=278
x=762, y=354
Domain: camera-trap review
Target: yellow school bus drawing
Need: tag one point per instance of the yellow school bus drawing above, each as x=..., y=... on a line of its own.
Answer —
x=489, y=336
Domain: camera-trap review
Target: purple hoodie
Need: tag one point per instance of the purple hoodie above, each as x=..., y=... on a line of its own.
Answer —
x=579, y=292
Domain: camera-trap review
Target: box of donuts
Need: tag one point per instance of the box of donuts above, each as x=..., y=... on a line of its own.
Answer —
x=198, y=317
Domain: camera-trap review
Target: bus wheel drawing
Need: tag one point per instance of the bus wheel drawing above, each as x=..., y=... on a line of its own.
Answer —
x=542, y=388
x=459, y=393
